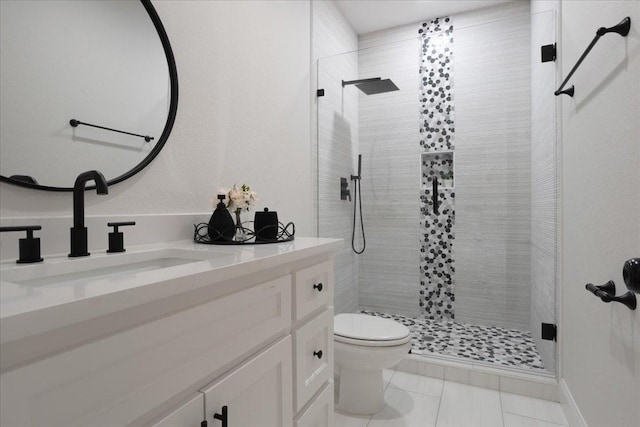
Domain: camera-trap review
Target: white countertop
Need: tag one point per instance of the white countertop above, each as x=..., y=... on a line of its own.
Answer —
x=29, y=310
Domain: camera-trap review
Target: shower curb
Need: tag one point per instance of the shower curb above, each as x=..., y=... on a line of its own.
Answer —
x=538, y=385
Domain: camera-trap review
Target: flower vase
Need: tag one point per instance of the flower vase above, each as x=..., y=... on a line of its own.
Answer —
x=241, y=232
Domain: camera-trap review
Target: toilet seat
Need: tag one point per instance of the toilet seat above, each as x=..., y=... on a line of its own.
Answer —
x=369, y=331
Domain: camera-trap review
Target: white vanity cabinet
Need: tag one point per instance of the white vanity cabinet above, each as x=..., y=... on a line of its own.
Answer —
x=258, y=342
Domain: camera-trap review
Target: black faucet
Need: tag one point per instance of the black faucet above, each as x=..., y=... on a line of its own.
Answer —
x=79, y=231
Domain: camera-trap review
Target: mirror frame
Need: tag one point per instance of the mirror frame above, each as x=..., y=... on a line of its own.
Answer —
x=173, y=108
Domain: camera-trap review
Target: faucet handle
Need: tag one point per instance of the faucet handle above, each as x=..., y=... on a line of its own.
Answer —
x=30, y=246
x=116, y=238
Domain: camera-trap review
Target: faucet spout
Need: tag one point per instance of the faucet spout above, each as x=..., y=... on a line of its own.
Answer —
x=79, y=242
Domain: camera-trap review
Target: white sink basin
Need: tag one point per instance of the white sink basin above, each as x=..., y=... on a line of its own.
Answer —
x=81, y=270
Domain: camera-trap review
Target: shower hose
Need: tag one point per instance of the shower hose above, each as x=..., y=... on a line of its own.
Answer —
x=357, y=200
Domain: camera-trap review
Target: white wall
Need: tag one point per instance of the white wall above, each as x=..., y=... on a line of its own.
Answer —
x=600, y=353
x=243, y=117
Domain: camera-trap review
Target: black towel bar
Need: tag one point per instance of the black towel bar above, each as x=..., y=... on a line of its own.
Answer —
x=622, y=28
x=74, y=123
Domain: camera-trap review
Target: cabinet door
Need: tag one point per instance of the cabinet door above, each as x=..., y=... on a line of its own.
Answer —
x=191, y=414
x=258, y=393
x=320, y=412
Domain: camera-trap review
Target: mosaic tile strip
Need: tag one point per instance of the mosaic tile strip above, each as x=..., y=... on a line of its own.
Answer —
x=436, y=134
x=436, y=85
x=436, y=256
x=479, y=344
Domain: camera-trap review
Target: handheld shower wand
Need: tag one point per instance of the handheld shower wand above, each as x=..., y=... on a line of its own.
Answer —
x=357, y=200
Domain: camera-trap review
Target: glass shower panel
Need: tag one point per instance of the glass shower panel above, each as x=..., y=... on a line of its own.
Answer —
x=459, y=187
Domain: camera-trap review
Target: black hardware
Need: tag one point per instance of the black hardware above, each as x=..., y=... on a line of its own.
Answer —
x=116, y=238
x=203, y=423
x=318, y=287
x=318, y=354
x=434, y=195
x=355, y=82
x=548, y=52
x=549, y=332
x=74, y=123
x=358, y=201
x=320, y=92
x=631, y=274
x=359, y=176
x=622, y=28
x=222, y=417
x=607, y=293
x=29, y=247
x=345, y=193
x=79, y=231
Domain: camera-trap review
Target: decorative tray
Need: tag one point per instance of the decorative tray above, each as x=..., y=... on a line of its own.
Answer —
x=246, y=236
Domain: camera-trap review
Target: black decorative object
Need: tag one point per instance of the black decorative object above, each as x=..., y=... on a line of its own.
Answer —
x=30, y=246
x=205, y=234
x=607, y=293
x=631, y=274
x=221, y=226
x=266, y=225
x=622, y=29
x=116, y=238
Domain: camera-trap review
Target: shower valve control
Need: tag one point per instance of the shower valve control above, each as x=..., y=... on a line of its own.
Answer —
x=345, y=193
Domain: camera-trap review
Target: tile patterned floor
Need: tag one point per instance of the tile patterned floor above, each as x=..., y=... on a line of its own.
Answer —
x=489, y=344
x=418, y=401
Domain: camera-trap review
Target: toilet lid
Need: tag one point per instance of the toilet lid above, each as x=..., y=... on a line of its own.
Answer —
x=370, y=328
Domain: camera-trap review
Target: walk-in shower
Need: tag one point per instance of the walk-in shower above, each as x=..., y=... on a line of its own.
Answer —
x=458, y=151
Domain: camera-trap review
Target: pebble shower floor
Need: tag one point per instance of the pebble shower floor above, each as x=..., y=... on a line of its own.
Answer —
x=489, y=344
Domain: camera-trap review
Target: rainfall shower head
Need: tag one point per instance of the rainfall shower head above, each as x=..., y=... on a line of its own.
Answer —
x=372, y=86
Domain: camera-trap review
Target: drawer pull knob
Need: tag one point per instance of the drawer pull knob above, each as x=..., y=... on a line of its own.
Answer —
x=318, y=287
x=222, y=417
x=318, y=354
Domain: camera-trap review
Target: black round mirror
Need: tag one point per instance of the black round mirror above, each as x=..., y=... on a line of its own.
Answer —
x=84, y=85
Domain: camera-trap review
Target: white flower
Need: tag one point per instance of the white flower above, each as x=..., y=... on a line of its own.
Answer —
x=239, y=198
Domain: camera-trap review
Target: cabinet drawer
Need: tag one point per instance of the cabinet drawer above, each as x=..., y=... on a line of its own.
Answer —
x=134, y=372
x=313, y=288
x=258, y=393
x=313, y=357
x=320, y=412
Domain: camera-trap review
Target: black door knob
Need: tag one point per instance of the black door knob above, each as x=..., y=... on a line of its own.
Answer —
x=318, y=287
x=318, y=354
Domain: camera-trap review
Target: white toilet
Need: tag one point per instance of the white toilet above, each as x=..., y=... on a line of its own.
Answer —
x=364, y=345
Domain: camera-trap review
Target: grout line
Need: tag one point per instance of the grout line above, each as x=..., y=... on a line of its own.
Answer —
x=532, y=418
x=501, y=407
x=439, y=403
